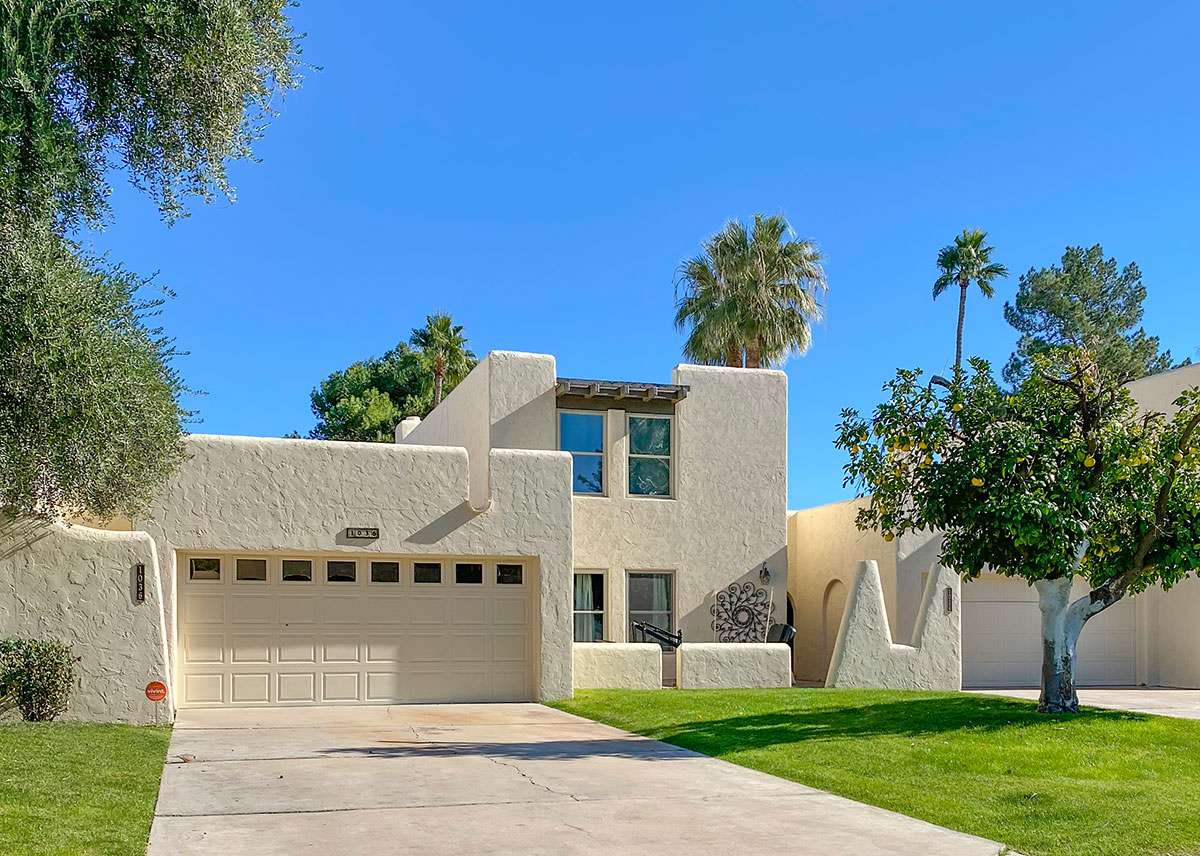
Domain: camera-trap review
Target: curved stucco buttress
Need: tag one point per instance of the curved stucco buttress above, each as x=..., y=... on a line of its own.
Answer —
x=866, y=657
x=618, y=666
x=732, y=665
x=77, y=585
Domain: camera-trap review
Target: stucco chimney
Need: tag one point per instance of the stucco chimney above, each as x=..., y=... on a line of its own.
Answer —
x=406, y=426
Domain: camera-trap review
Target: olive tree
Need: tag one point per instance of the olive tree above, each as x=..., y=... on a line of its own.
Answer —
x=1062, y=479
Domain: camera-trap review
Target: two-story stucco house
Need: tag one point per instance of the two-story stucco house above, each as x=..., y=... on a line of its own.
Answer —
x=526, y=513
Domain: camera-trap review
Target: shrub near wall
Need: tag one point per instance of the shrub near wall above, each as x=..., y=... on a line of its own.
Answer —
x=37, y=676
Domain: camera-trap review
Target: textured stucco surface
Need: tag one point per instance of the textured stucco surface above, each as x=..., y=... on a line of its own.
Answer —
x=256, y=494
x=618, y=666
x=729, y=513
x=735, y=665
x=865, y=655
x=77, y=585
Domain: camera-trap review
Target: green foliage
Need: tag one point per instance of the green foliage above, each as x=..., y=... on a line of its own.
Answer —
x=1062, y=477
x=38, y=676
x=1086, y=303
x=444, y=353
x=169, y=90
x=365, y=401
x=967, y=260
x=89, y=411
x=78, y=788
x=751, y=290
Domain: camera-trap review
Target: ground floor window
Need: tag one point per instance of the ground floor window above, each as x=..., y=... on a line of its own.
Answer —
x=589, y=607
x=651, y=602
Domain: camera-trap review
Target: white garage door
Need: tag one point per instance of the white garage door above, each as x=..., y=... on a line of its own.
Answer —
x=1001, y=637
x=295, y=629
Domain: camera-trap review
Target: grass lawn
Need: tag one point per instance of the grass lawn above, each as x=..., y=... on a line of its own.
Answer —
x=1101, y=783
x=76, y=788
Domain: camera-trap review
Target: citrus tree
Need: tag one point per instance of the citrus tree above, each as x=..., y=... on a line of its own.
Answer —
x=1062, y=479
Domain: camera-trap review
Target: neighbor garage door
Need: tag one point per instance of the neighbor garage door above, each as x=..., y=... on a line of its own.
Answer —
x=296, y=629
x=1001, y=638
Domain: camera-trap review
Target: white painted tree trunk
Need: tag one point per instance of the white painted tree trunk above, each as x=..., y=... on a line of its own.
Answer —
x=1060, y=632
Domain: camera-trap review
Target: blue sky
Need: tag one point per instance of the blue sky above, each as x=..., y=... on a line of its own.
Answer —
x=540, y=169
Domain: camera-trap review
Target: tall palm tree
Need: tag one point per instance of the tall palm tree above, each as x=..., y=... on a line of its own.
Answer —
x=443, y=351
x=968, y=259
x=752, y=292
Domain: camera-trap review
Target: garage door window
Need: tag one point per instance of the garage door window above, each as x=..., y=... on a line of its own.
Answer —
x=297, y=570
x=509, y=575
x=468, y=573
x=427, y=572
x=340, y=572
x=204, y=569
x=385, y=572
x=251, y=570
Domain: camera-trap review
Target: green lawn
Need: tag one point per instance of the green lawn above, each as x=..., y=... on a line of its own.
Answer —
x=1101, y=783
x=74, y=788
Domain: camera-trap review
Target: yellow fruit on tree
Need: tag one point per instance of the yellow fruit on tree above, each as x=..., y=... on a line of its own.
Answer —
x=1089, y=462
x=978, y=482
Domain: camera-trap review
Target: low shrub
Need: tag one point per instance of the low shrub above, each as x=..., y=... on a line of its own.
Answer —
x=37, y=676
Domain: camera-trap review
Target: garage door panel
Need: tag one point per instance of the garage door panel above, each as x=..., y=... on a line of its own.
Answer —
x=468, y=647
x=250, y=648
x=251, y=688
x=510, y=611
x=389, y=641
x=203, y=689
x=343, y=610
x=385, y=649
x=297, y=609
x=385, y=611
x=297, y=649
x=339, y=686
x=339, y=649
x=1001, y=638
x=297, y=687
x=423, y=609
x=204, y=648
x=468, y=611
x=204, y=609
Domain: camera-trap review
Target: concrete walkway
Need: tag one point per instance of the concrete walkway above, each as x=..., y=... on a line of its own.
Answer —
x=1184, y=704
x=518, y=778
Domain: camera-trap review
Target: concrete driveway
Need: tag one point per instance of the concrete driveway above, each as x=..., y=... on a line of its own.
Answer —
x=517, y=778
x=1184, y=704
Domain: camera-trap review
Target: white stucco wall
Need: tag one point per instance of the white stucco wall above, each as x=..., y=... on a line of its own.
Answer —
x=256, y=494
x=729, y=513
x=716, y=666
x=77, y=585
x=618, y=666
x=865, y=655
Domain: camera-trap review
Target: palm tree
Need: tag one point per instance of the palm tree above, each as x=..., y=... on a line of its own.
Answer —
x=444, y=352
x=751, y=291
x=967, y=259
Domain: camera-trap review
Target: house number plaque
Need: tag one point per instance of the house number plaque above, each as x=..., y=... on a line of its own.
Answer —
x=363, y=533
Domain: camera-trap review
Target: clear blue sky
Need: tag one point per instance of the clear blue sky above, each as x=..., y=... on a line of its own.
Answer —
x=539, y=170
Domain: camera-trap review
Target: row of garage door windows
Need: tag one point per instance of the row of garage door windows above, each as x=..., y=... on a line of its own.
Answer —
x=346, y=571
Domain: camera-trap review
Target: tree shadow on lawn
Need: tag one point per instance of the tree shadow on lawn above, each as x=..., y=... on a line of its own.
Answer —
x=903, y=718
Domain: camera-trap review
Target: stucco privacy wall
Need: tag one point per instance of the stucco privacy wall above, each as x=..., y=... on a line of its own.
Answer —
x=255, y=494
x=748, y=665
x=824, y=552
x=865, y=655
x=618, y=666
x=78, y=585
x=729, y=513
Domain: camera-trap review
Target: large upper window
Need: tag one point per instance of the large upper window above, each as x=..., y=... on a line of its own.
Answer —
x=582, y=434
x=589, y=607
x=650, y=455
